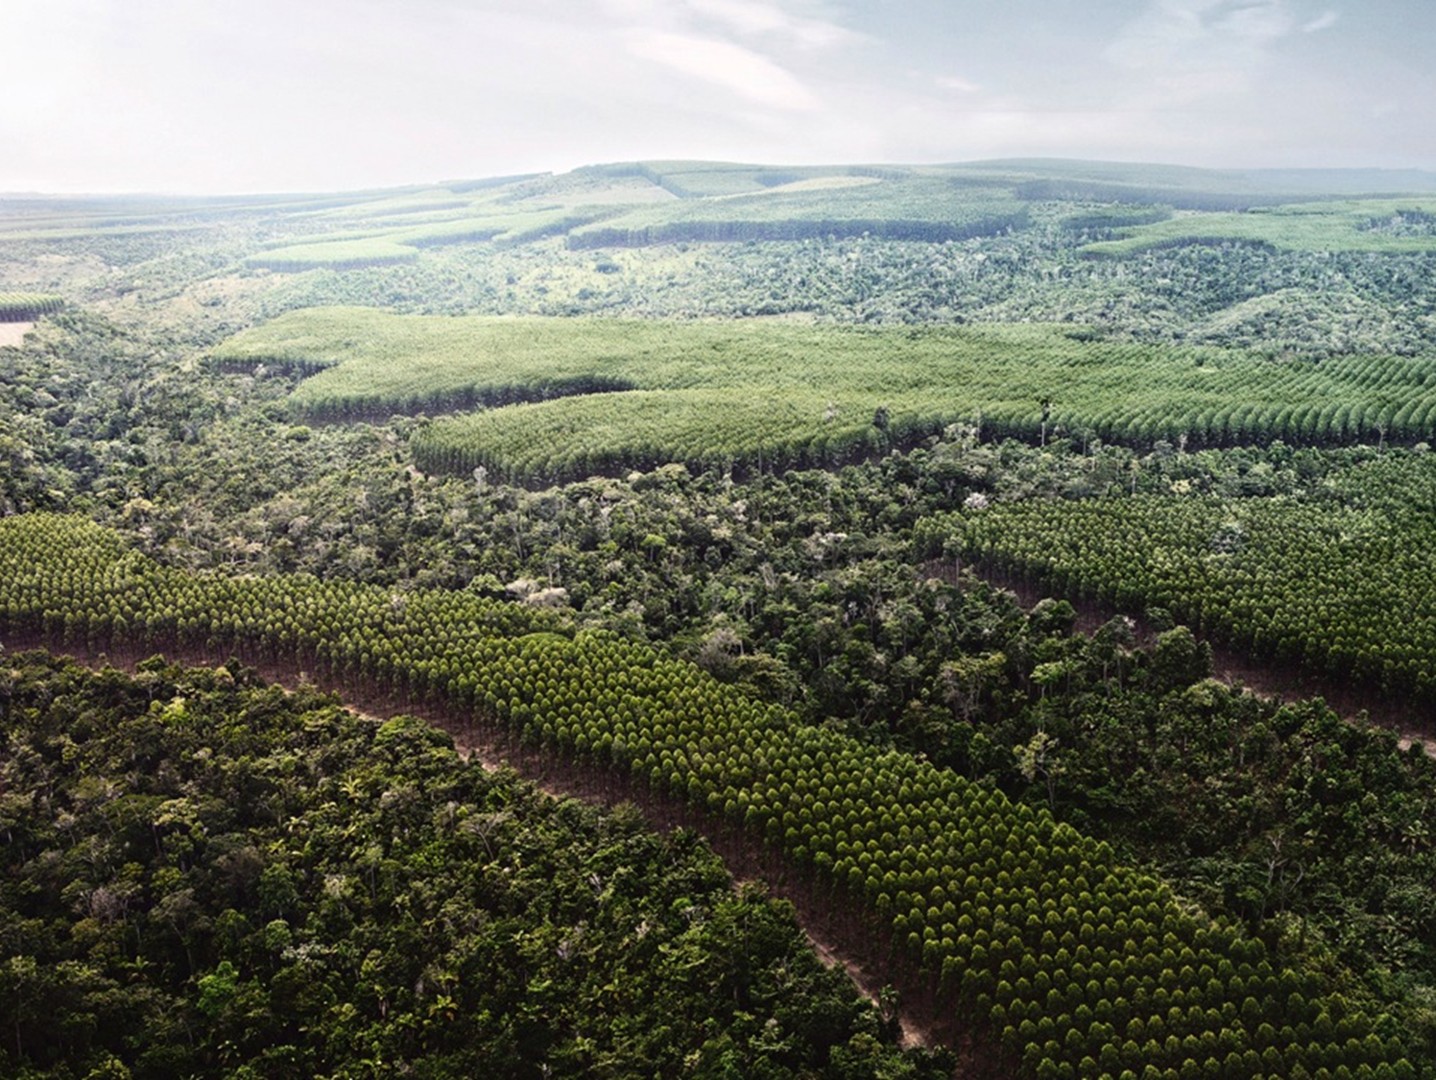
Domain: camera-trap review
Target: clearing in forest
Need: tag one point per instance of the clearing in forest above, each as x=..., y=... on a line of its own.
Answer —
x=14, y=333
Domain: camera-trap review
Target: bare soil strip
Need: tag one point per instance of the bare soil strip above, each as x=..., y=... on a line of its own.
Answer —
x=13, y=333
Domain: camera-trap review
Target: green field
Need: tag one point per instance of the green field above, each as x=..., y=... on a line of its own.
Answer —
x=1377, y=225
x=771, y=394
x=350, y=250
x=656, y=202
x=634, y=206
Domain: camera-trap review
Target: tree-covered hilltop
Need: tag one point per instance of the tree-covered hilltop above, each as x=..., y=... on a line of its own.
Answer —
x=207, y=876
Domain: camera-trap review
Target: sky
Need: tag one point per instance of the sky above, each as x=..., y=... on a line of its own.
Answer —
x=230, y=96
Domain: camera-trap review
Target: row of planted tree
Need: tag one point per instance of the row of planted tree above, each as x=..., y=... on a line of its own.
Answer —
x=1345, y=585
x=711, y=395
x=1075, y=965
x=26, y=307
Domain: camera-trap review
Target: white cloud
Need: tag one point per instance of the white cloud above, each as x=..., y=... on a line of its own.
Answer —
x=957, y=84
x=1325, y=21
x=753, y=18
x=1253, y=23
x=743, y=72
x=1200, y=32
x=1191, y=50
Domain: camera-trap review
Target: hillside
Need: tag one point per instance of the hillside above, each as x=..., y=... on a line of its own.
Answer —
x=899, y=527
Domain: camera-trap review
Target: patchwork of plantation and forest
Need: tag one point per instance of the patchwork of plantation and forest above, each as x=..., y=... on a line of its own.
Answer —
x=719, y=395
x=909, y=537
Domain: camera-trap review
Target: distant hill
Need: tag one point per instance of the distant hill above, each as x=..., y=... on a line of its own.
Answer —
x=643, y=203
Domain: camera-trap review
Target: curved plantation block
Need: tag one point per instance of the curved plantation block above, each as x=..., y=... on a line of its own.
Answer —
x=515, y=227
x=1077, y=965
x=27, y=307
x=642, y=429
x=830, y=393
x=404, y=243
x=1345, y=589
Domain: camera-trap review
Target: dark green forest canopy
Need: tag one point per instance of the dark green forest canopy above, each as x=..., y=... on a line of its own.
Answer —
x=207, y=876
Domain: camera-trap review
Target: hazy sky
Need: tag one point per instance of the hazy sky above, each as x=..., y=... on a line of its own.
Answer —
x=278, y=95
